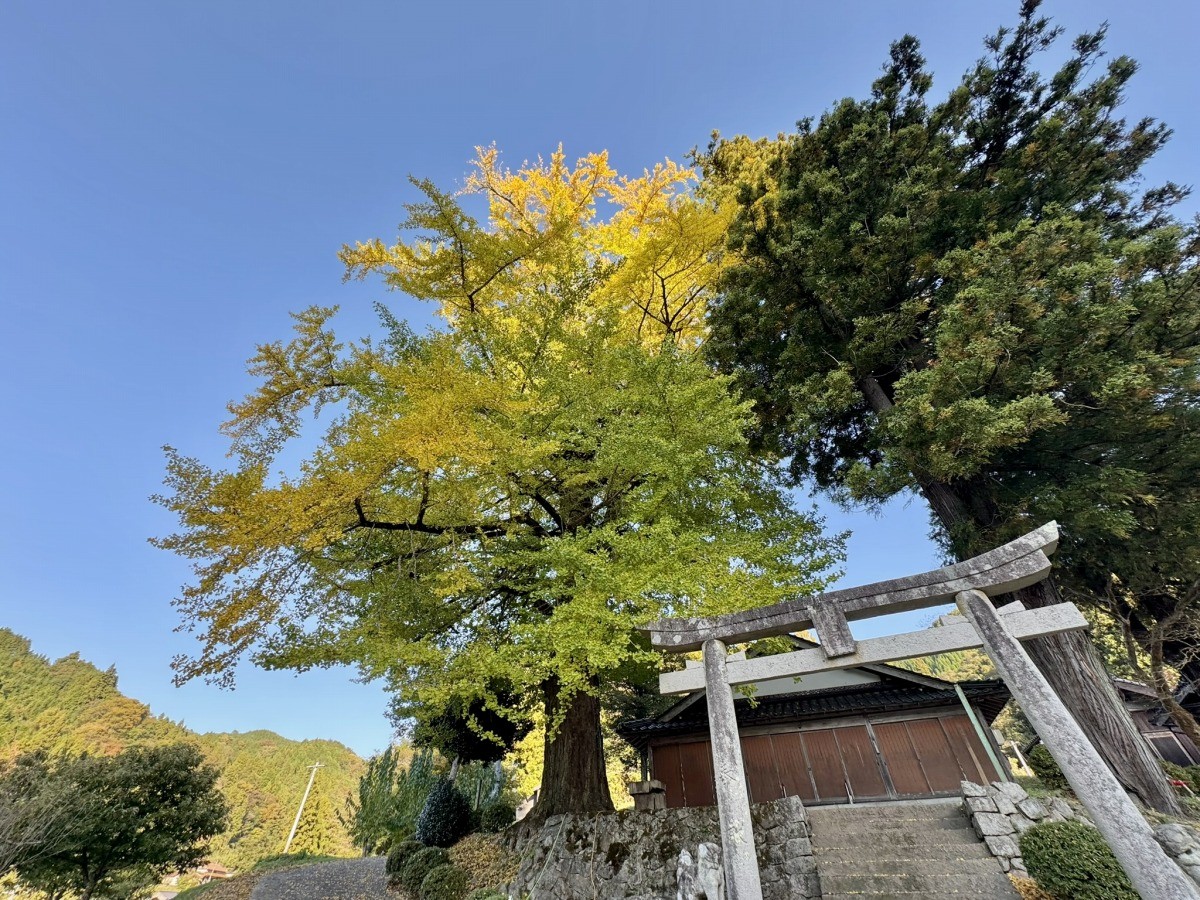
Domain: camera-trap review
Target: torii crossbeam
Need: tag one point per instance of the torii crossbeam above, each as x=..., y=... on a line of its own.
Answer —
x=1020, y=563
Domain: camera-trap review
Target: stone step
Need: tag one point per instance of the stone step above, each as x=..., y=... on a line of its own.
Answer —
x=996, y=885
x=871, y=837
x=922, y=867
x=885, y=811
x=891, y=826
x=947, y=852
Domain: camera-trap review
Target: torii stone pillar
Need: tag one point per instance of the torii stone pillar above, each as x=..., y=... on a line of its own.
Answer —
x=742, y=878
x=1151, y=872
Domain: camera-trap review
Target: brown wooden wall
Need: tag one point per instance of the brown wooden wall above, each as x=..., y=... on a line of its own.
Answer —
x=869, y=760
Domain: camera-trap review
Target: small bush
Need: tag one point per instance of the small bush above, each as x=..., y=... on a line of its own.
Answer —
x=446, y=816
x=1070, y=861
x=399, y=853
x=483, y=858
x=495, y=817
x=420, y=864
x=447, y=882
x=1046, y=769
x=487, y=894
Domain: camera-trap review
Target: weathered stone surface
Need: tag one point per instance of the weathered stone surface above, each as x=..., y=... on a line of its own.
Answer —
x=1061, y=808
x=979, y=804
x=1003, y=847
x=1032, y=809
x=1175, y=838
x=990, y=824
x=1010, y=790
x=635, y=855
x=971, y=789
x=1004, y=806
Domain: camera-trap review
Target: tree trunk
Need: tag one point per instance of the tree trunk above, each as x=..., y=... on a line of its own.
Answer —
x=1074, y=669
x=1184, y=719
x=574, y=779
x=1069, y=661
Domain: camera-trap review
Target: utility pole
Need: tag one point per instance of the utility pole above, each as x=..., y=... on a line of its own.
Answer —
x=300, y=811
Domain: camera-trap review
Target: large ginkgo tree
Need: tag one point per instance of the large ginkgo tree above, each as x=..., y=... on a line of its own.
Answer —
x=496, y=505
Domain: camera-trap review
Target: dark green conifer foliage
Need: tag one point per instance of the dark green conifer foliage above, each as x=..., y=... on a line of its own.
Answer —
x=314, y=834
x=979, y=301
x=446, y=817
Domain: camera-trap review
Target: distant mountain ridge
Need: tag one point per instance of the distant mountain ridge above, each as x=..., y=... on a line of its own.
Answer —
x=70, y=706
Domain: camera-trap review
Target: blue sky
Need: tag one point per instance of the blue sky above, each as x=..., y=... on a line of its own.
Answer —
x=176, y=177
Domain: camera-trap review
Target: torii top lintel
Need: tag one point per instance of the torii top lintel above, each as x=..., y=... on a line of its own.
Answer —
x=1017, y=564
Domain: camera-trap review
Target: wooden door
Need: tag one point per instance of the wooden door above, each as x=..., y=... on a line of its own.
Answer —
x=791, y=762
x=762, y=771
x=861, y=763
x=972, y=758
x=935, y=754
x=901, y=760
x=825, y=763
x=695, y=762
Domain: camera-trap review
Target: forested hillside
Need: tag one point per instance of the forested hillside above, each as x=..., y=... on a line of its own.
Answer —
x=70, y=706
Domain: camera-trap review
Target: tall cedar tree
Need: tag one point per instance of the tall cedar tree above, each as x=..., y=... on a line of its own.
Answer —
x=970, y=299
x=504, y=501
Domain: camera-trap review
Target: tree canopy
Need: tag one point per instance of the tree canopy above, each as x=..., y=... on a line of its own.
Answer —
x=975, y=299
x=136, y=814
x=504, y=500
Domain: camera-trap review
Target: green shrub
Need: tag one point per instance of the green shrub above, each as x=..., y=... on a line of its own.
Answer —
x=446, y=816
x=420, y=864
x=1070, y=861
x=399, y=853
x=447, y=882
x=497, y=816
x=1046, y=769
x=486, y=894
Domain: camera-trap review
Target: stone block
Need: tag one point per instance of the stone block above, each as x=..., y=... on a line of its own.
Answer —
x=979, y=804
x=1062, y=808
x=991, y=824
x=1175, y=838
x=1032, y=809
x=1002, y=846
x=1004, y=806
x=1021, y=824
x=1010, y=789
x=971, y=789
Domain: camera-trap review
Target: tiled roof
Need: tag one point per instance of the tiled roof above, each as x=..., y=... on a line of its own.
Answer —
x=989, y=696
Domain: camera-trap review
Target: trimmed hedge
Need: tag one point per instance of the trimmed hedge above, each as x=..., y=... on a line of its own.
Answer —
x=1070, y=861
x=399, y=853
x=419, y=865
x=445, y=818
x=447, y=882
x=495, y=817
x=1046, y=769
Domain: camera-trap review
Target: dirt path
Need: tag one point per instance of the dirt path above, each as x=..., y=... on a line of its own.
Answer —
x=350, y=879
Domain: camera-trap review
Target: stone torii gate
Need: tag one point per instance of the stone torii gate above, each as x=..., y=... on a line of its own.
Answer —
x=1015, y=565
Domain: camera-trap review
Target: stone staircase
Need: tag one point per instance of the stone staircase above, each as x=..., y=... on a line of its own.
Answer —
x=903, y=851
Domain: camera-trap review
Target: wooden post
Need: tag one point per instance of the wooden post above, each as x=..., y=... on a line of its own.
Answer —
x=1001, y=770
x=742, y=880
x=1151, y=871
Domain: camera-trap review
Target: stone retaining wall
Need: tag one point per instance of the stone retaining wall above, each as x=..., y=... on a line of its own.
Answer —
x=1002, y=811
x=635, y=855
